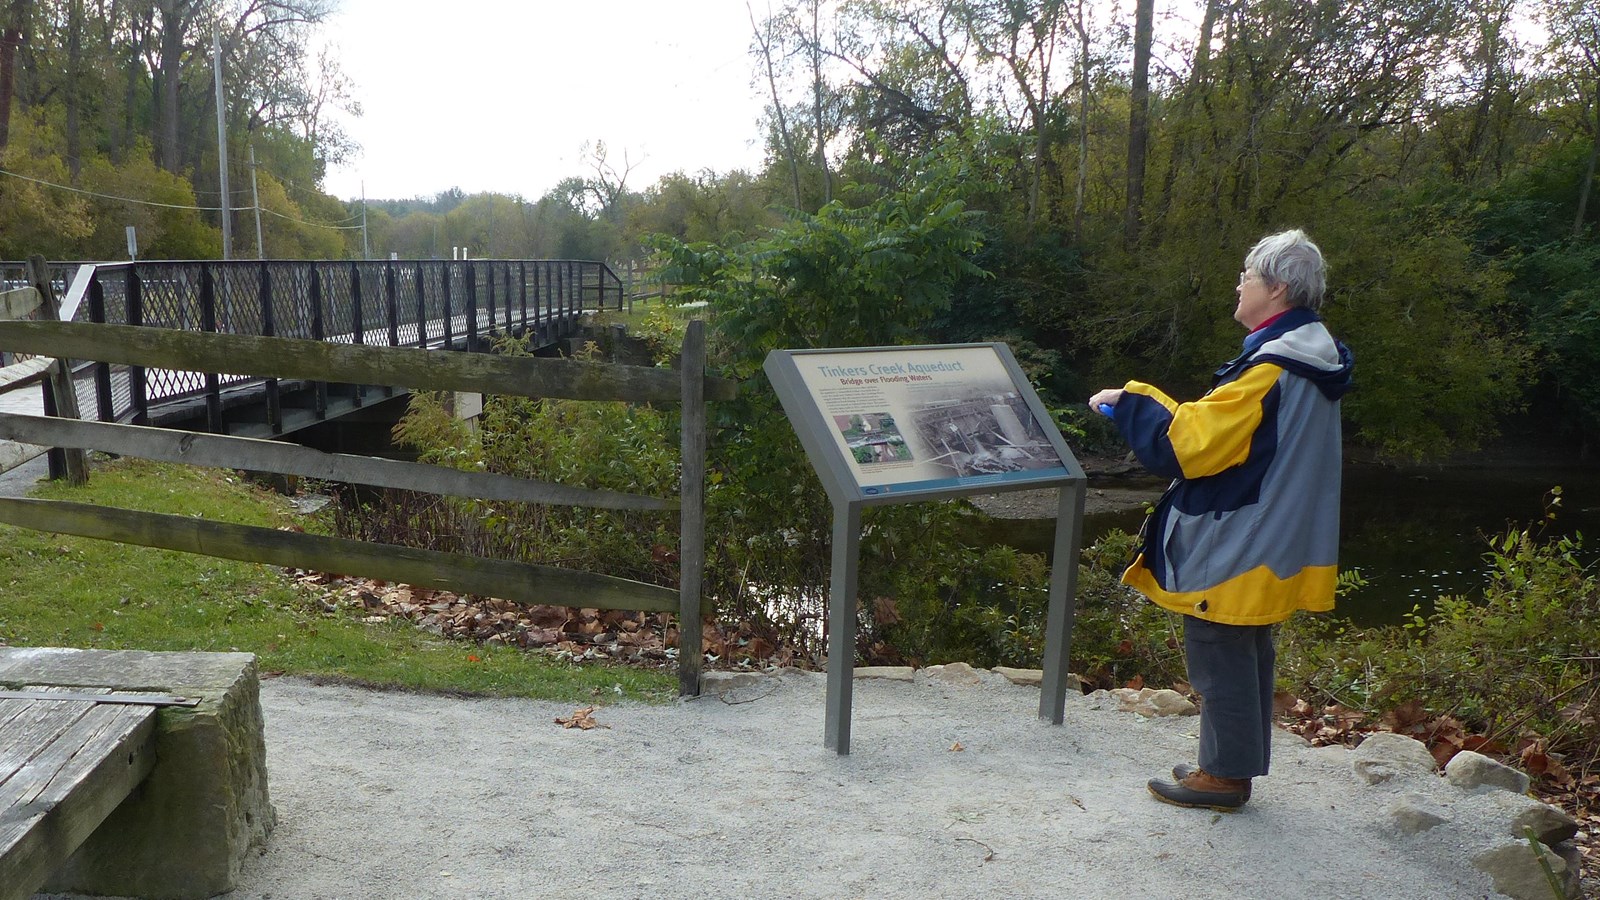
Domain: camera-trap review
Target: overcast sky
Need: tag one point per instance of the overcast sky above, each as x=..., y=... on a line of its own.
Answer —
x=500, y=95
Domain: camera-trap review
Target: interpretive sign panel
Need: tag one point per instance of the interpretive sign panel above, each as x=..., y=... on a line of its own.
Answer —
x=893, y=424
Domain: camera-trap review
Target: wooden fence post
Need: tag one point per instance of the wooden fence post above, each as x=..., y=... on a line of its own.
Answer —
x=692, y=534
x=61, y=388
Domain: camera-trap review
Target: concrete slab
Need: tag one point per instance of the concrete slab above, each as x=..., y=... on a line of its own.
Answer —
x=185, y=830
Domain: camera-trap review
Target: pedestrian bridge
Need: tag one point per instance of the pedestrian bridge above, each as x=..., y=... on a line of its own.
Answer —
x=431, y=304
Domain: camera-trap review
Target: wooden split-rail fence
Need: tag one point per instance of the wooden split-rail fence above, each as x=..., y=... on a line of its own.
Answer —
x=29, y=324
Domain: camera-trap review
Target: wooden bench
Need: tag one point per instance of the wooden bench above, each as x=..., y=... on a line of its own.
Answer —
x=65, y=764
x=177, y=787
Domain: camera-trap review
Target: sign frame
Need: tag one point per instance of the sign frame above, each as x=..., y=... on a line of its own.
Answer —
x=852, y=400
x=882, y=387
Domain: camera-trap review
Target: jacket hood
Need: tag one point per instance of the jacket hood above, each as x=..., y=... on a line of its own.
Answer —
x=1300, y=343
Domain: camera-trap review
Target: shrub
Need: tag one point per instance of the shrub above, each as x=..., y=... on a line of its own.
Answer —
x=1520, y=659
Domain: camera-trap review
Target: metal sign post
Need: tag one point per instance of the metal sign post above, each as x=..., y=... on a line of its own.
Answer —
x=884, y=425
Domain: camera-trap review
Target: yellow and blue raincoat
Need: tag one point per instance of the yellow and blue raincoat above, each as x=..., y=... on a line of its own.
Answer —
x=1249, y=530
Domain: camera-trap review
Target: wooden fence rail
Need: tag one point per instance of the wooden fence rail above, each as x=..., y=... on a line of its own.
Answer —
x=274, y=357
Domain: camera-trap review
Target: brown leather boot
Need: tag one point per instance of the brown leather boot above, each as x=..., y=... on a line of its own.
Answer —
x=1200, y=789
x=1182, y=771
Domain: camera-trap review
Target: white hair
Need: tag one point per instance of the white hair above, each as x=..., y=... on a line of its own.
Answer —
x=1290, y=258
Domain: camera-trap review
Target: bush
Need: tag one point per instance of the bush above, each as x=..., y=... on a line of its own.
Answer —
x=1521, y=659
x=609, y=446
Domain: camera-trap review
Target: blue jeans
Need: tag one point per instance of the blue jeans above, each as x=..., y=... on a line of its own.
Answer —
x=1231, y=666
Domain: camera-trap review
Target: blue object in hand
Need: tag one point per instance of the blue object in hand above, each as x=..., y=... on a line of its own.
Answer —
x=1105, y=409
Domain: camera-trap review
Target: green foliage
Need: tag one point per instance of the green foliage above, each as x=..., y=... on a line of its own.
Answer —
x=1118, y=634
x=1424, y=315
x=1519, y=659
x=876, y=273
x=847, y=277
x=609, y=446
x=164, y=232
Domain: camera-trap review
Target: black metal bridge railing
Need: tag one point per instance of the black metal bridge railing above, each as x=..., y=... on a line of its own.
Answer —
x=451, y=304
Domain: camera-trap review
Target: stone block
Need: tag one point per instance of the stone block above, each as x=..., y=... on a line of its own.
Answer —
x=1033, y=677
x=954, y=673
x=722, y=682
x=892, y=673
x=1168, y=702
x=1413, y=814
x=1469, y=769
x=1385, y=754
x=1550, y=825
x=184, y=832
x=1517, y=872
x=1150, y=702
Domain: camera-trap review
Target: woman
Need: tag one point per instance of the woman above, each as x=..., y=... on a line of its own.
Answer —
x=1249, y=530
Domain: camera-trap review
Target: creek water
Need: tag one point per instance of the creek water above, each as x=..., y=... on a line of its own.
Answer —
x=1415, y=534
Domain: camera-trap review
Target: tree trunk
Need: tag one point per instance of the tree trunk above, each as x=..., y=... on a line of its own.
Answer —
x=73, y=92
x=1083, y=121
x=10, y=40
x=816, y=101
x=1185, y=104
x=1138, y=119
x=1588, y=173
x=169, y=79
x=765, y=42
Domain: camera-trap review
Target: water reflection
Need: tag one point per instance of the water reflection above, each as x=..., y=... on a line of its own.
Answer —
x=1419, y=534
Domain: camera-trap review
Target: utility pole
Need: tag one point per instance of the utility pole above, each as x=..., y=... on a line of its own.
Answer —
x=365, y=252
x=255, y=199
x=222, y=144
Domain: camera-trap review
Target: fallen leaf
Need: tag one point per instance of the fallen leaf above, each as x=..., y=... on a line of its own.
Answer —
x=1405, y=715
x=581, y=718
x=884, y=611
x=956, y=747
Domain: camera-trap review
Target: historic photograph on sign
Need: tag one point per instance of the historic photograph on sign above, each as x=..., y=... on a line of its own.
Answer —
x=984, y=433
x=928, y=418
x=873, y=438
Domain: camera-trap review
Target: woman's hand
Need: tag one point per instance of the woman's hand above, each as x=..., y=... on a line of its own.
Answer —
x=1107, y=397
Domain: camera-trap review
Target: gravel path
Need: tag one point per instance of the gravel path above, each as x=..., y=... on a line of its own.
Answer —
x=19, y=481
x=385, y=795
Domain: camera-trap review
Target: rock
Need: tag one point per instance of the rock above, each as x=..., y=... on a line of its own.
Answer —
x=1550, y=825
x=1469, y=769
x=954, y=673
x=1413, y=815
x=1026, y=676
x=1127, y=699
x=722, y=682
x=204, y=807
x=1385, y=754
x=1172, y=703
x=1518, y=875
x=892, y=673
x=1149, y=702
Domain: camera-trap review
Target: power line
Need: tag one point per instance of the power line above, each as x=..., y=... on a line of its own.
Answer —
x=312, y=224
x=66, y=187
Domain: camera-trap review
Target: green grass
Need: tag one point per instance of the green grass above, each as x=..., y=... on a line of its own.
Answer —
x=64, y=591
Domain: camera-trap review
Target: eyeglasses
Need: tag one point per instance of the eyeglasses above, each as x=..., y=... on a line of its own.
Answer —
x=1246, y=275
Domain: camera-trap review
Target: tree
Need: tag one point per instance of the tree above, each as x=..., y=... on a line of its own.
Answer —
x=11, y=38
x=765, y=45
x=1138, y=113
x=1574, y=51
